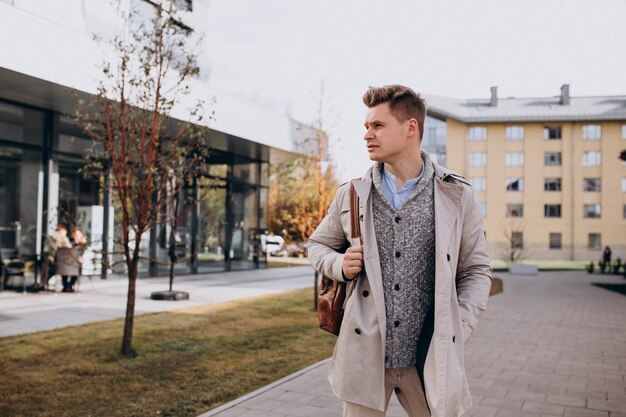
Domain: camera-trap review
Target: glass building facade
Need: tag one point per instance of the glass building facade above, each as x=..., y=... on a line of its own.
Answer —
x=41, y=153
x=435, y=139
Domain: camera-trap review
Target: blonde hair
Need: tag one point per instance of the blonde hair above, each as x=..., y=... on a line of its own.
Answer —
x=404, y=103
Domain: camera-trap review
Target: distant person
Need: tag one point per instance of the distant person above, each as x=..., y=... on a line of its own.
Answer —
x=421, y=278
x=606, y=255
x=78, y=241
x=57, y=239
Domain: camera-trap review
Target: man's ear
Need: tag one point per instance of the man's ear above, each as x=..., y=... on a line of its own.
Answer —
x=412, y=128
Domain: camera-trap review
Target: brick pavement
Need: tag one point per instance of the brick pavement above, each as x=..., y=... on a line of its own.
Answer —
x=551, y=345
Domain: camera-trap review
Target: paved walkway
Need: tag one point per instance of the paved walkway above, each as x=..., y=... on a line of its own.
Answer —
x=106, y=299
x=551, y=345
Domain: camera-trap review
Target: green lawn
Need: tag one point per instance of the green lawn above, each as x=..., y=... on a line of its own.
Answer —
x=189, y=360
x=500, y=265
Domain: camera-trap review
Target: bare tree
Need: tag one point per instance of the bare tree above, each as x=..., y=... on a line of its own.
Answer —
x=148, y=156
x=515, y=250
x=301, y=191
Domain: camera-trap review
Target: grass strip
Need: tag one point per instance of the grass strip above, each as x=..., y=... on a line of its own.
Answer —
x=189, y=361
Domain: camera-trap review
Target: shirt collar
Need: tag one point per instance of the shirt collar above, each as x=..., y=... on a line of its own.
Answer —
x=390, y=179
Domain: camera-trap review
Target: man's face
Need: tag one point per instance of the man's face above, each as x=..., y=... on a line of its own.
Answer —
x=386, y=137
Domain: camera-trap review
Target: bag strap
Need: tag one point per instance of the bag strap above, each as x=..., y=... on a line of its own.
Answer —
x=355, y=224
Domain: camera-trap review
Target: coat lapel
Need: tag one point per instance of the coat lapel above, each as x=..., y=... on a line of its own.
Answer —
x=363, y=189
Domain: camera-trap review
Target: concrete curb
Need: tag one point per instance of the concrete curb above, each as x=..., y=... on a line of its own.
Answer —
x=261, y=390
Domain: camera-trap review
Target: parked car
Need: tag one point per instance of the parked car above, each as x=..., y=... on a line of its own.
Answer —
x=275, y=246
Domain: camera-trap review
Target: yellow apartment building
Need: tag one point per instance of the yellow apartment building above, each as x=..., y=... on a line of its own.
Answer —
x=546, y=171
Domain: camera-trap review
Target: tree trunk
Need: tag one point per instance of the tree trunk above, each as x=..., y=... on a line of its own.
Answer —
x=130, y=309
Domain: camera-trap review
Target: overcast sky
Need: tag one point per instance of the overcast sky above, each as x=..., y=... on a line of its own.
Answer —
x=277, y=52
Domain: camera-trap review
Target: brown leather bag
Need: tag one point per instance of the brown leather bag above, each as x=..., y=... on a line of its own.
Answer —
x=333, y=295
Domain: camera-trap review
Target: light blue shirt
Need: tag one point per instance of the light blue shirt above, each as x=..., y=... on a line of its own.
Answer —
x=397, y=197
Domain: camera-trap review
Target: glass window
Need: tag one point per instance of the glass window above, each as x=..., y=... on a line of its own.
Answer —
x=477, y=159
x=595, y=241
x=552, y=210
x=552, y=184
x=434, y=141
x=212, y=221
x=515, y=184
x=515, y=133
x=552, y=132
x=555, y=241
x=592, y=211
x=245, y=239
x=245, y=171
x=592, y=159
x=514, y=210
x=592, y=132
x=515, y=159
x=23, y=125
x=21, y=181
x=477, y=133
x=517, y=240
x=592, y=184
x=483, y=209
x=479, y=183
x=623, y=131
x=552, y=159
x=265, y=173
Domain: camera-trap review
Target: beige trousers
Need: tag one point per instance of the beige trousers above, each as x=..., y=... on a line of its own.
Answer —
x=408, y=388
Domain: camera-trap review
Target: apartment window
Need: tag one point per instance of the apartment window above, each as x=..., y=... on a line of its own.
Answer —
x=515, y=184
x=592, y=184
x=552, y=132
x=477, y=133
x=592, y=159
x=514, y=133
x=592, y=132
x=477, y=159
x=517, y=240
x=592, y=211
x=552, y=159
x=555, y=241
x=514, y=210
x=623, y=131
x=552, y=184
x=479, y=183
x=552, y=210
x=595, y=241
x=515, y=159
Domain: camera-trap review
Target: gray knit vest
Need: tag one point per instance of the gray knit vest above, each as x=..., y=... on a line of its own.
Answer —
x=406, y=247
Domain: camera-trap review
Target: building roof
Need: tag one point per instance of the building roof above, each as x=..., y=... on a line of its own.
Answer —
x=529, y=109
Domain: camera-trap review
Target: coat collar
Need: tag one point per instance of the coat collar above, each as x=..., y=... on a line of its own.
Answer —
x=448, y=196
x=364, y=184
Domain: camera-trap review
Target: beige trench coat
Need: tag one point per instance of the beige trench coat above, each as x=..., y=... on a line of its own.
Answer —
x=462, y=283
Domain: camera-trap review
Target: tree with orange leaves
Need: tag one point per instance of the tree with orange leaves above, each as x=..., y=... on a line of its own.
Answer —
x=148, y=157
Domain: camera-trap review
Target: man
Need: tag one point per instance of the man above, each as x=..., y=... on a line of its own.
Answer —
x=420, y=280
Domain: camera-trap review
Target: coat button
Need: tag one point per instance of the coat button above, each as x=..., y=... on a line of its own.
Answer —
x=357, y=331
x=366, y=293
x=397, y=254
x=361, y=217
x=396, y=323
x=397, y=390
x=397, y=219
x=397, y=287
x=448, y=256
